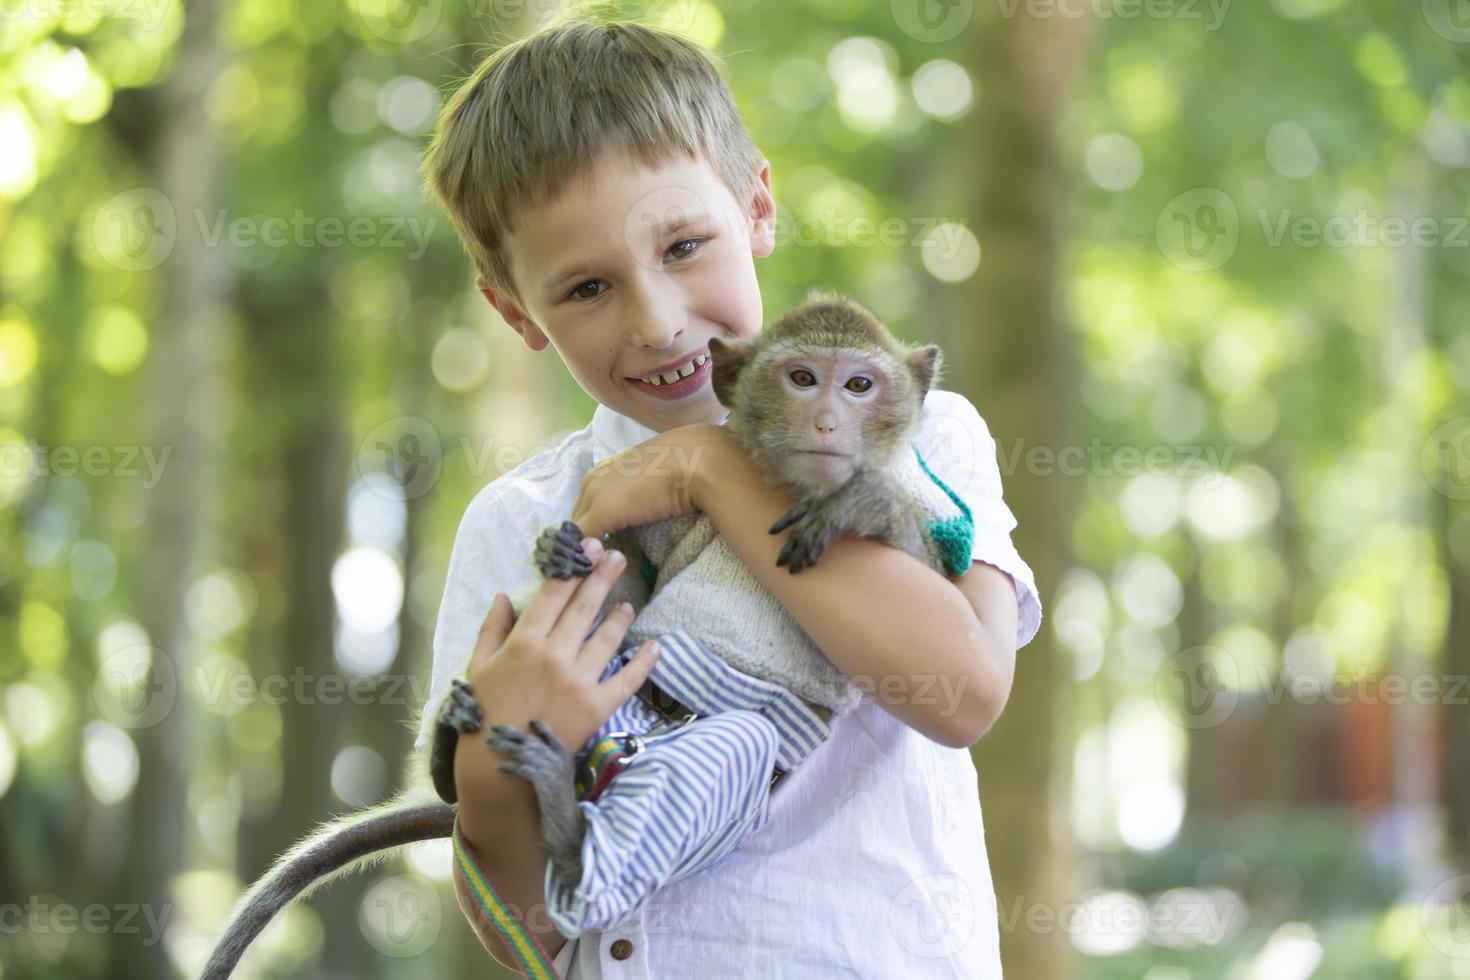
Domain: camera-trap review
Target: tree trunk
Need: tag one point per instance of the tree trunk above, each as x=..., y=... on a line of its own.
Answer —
x=183, y=361
x=1023, y=66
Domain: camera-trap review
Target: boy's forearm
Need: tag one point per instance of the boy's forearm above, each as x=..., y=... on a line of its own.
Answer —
x=503, y=829
x=899, y=630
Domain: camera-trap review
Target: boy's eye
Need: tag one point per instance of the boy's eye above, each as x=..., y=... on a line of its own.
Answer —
x=679, y=250
x=579, y=292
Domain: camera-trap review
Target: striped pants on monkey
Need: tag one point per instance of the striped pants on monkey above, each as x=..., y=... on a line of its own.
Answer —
x=690, y=795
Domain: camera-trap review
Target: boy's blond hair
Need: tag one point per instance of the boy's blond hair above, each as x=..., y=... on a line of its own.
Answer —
x=538, y=111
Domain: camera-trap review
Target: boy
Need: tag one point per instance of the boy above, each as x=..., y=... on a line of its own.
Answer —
x=605, y=187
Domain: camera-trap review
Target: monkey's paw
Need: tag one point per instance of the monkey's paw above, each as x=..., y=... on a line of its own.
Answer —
x=460, y=710
x=559, y=552
x=809, y=537
x=539, y=758
x=459, y=713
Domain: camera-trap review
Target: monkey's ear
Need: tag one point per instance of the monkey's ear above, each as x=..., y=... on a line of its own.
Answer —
x=924, y=366
x=727, y=360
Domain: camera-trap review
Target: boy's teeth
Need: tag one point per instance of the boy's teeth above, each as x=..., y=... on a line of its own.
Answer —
x=679, y=372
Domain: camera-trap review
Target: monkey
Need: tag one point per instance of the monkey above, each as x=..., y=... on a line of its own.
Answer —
x=826, y=401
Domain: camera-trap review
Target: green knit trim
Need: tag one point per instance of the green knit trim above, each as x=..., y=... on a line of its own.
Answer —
x=954, y=536
x=649, y=570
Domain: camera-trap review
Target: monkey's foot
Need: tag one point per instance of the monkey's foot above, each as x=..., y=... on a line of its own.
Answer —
x=539, y=758
x=559, y=552
x=458, y=713
x=810, y=534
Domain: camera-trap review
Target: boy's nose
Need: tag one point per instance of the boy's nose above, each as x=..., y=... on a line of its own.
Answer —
x=658, y=332
x=657, y=317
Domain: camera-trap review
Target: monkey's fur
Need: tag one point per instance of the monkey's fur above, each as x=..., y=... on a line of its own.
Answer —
x=827, y=402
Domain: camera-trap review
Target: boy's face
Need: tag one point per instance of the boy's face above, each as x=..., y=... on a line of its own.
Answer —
x=631, y=271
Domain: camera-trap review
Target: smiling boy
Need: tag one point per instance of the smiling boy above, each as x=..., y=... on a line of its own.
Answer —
x=607, y=191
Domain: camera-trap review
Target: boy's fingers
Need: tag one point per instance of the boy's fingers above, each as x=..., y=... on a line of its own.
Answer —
x=626, y=682
x=493, y=631
x=605, y=641
x=576, y=618
x=542, y=612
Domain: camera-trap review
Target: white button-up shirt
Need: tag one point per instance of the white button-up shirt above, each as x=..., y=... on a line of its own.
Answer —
x=873, y=862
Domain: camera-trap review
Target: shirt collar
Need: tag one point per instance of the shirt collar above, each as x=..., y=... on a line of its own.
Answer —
x=612, y=433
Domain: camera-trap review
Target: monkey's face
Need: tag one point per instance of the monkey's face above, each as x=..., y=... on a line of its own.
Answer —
x=831, y=401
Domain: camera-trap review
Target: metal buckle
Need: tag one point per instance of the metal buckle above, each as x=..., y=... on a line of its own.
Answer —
x=666, y=725
x=632, y=742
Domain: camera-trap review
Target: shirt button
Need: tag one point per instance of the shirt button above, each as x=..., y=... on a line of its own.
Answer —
x=622, y=949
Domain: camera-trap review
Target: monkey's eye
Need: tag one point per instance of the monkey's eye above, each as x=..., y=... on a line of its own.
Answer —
x=859, y=384
x=803, y=378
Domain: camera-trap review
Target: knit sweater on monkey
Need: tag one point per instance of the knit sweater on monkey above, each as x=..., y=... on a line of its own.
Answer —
x=699, y=585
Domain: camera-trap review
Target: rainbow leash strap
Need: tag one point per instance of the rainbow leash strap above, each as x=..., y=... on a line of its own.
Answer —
x=607, y=757
x=528, y=952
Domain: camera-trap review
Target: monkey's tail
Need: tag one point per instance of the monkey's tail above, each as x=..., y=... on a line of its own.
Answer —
x=333, y=850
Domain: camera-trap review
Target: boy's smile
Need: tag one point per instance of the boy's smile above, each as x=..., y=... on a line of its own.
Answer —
x=629, y=271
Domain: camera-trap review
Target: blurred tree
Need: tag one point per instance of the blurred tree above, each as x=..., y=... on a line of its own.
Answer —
x=1025, y=66
x=182, y=154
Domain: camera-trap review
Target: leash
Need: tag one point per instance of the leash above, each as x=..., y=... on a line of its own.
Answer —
x=518, y=939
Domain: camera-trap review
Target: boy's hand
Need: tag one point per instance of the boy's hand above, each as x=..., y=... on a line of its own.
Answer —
x=648, y=482
x=538, y=667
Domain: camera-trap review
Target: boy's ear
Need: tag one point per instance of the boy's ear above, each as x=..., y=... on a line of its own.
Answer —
x=762, y=213
x=513, y=315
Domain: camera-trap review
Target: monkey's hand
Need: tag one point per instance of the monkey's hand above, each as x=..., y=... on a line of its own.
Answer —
x=812, y=530
x=559, y=552
x=541, y=759
x=459, y=713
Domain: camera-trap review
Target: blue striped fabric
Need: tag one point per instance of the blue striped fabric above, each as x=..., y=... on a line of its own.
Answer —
x=692, y=794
